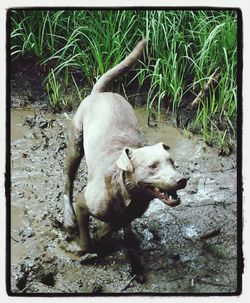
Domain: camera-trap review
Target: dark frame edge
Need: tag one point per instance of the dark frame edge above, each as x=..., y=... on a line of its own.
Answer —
x=240, y=255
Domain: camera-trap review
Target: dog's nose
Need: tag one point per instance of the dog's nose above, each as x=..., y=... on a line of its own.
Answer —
x=182, y=182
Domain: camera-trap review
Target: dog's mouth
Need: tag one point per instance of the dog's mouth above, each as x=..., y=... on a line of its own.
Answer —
x=168, y=197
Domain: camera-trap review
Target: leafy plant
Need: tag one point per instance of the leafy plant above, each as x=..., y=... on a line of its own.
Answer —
x=184, y=48
x=54, y=90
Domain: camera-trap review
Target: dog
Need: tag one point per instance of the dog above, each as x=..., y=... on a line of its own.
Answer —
x=124, y=175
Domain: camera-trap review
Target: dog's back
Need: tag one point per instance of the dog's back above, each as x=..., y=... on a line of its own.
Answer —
x=109, y=124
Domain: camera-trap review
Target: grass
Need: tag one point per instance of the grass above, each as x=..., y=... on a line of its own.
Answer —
x=184, y=48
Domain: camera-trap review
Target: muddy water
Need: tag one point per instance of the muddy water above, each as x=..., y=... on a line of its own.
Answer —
x=190, y=248
x=181, y=147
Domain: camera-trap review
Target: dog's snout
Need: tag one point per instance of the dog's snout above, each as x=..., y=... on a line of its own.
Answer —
x=182, y=182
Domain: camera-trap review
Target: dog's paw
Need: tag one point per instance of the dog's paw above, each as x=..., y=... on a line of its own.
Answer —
x=70, y=247
x=69, y=222
x=72, y=233
x=141, y=278
x=138, y=271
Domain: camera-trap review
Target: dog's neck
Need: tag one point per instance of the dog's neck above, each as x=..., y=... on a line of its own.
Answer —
x=121, y=186
x=124, y=186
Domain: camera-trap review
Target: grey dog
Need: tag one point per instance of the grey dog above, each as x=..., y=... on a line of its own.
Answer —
x=123, y=174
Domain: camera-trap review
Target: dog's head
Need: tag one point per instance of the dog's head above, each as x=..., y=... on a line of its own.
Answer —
x=152, y=167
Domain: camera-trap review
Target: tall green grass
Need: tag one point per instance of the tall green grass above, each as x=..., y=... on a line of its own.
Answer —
x=184, y=48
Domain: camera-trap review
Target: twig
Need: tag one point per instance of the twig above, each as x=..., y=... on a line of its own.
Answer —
x=25, y=288
x=130, y=281
x=221, y=170
x=210, y=234
x=39, y=286
x=14, y=239
x=212, y=78
x=175, y=279
x=213, y=269
x=210, y=283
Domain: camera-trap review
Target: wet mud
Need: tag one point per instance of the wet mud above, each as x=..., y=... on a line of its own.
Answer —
x=191, y=248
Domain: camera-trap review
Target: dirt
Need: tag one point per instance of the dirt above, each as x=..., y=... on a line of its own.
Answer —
x=191, y=248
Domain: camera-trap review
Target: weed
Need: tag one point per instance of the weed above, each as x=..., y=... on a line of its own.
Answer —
x=183, y=50
x=54, y=90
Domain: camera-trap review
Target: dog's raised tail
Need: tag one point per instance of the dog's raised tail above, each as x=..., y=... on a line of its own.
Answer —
x=120, y=69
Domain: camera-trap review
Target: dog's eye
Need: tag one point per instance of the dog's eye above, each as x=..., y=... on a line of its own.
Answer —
x=153, y=166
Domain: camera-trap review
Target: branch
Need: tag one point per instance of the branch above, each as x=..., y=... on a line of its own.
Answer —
x=129, y=283
x=212, y=78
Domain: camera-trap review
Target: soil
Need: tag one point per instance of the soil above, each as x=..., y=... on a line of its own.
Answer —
x=191, y=248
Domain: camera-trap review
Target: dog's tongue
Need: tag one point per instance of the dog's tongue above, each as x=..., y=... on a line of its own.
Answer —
x=165, y=197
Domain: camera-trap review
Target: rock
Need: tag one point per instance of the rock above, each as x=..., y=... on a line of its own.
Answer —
x=26, y=232
x=43, y=123
x=30, y=121
x=189, y=256
x=190, y=232
x=155, y=206
x=148, y=235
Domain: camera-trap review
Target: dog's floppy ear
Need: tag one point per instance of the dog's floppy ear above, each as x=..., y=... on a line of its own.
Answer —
x=124, y=161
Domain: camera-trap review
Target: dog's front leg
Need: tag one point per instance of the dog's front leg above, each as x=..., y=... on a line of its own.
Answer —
x=131, y=251
x=106, y=230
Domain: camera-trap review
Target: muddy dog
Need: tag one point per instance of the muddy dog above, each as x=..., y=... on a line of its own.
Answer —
x=123, y=174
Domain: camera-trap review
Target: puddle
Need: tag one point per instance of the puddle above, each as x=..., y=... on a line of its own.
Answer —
x=207, y=216
x=180, y=147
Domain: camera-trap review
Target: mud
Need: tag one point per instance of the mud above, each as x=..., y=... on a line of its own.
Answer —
x=191, y=248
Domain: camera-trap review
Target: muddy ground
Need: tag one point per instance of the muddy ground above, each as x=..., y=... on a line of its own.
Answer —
x=188, y=249
x=191, y=248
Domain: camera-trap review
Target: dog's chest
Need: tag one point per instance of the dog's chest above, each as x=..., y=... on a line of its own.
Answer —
x=119, y=214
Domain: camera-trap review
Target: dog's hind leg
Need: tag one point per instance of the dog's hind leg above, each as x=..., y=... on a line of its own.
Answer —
x=75, y=153
x=131, y=251
x=82, y=214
